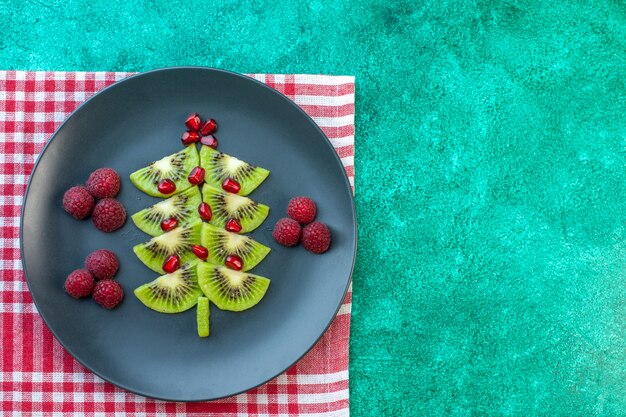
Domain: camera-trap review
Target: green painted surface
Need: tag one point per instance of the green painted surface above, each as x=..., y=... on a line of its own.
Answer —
x=491, y=274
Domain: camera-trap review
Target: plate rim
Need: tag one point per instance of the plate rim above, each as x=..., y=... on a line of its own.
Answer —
x=119, y=83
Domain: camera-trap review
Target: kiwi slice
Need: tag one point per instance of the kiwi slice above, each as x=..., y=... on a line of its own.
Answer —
x=222, y=243
x=220, y=166
x=225, y=206
x=176, y=242
x=175, y=167
x=203, y=314
x=183, y=207
x=172, y=293
x=231, y=290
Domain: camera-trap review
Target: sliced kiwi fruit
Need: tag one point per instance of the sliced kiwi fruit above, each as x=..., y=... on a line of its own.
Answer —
x=219, y=166
x=226, y=206
x=183, y=207
x=222, y=243
x=175, y=167
x=231, y=290
x=176, y=242
x=203, y=313
x=172, y=293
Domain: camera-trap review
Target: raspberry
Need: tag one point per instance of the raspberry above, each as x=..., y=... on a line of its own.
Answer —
x=302, y=209
x=102, y=264
x=108, y=293
x=287, y=232
x=79, y=283
x=78, y=202
x=108, y=215
x=103, y=183
x=316, y=237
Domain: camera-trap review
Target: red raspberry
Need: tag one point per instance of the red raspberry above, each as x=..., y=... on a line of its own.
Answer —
x=79, y=283
x=316, y=237
x=102, y=264
x=103, y=183
x=302, y=209
x=108, y=215
x=287, y=232
x=108, y=293
x=78, y=202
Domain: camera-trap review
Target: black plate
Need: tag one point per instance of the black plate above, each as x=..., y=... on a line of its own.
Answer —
x=137, y=121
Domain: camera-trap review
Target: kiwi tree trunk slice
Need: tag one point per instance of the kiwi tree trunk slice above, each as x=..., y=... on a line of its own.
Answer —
x=176, y=242
x=175, y=167
x=231, y=290
x=222, y=243
x=203, y=314
x=220, y=166
x=225, y=206
x=172, y=293
x=183, y=207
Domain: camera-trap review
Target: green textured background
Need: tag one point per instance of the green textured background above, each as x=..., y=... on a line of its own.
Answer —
x=490, y=182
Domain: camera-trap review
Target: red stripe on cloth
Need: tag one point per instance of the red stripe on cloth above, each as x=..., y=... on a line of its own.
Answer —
x=36, y=374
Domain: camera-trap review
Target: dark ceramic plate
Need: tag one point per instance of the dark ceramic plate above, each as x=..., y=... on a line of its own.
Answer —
x=137, y=121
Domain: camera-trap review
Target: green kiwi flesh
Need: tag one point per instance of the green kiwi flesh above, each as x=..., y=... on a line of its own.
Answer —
x=172, y=293
x=222, y=243
x=175, y=242
x=183, y=207
x=175, y=167
x=220, y=166
x=203, y=314
x=225, y=206
x=231, y=290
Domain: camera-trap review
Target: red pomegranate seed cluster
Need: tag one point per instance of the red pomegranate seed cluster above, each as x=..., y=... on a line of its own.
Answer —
x=97, y=198
x=199, y=131
x=314, y=236
x=96, y=280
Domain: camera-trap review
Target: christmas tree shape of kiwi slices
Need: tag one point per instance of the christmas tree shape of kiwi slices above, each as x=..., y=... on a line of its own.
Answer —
x=221, y=244
x=229, y=173
x=229, y=289
x=167, y=176
x=172, y=293
x=233, y=212
x=178, y=242
x=177, y=211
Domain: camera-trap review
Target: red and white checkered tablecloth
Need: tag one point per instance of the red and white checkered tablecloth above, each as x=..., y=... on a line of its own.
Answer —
x=37, y=376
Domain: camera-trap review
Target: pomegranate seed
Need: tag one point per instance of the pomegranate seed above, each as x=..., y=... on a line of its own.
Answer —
x=171, y=264
x=210, y=126
x=166, y=186
x=234, y=262
x=200, y=251
x=193, y=121
x=190, y=137
x=209, y=141
x=205, y=211
x=196, y=176
x=169, y=224
x=231, y=186
x=233, y=225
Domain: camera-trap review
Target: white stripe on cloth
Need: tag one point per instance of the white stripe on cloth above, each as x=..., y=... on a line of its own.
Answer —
x=323, y=79
x=340, y=121
x=308, y=100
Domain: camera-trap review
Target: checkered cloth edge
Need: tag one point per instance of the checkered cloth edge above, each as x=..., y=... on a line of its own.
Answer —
x=37, y=376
